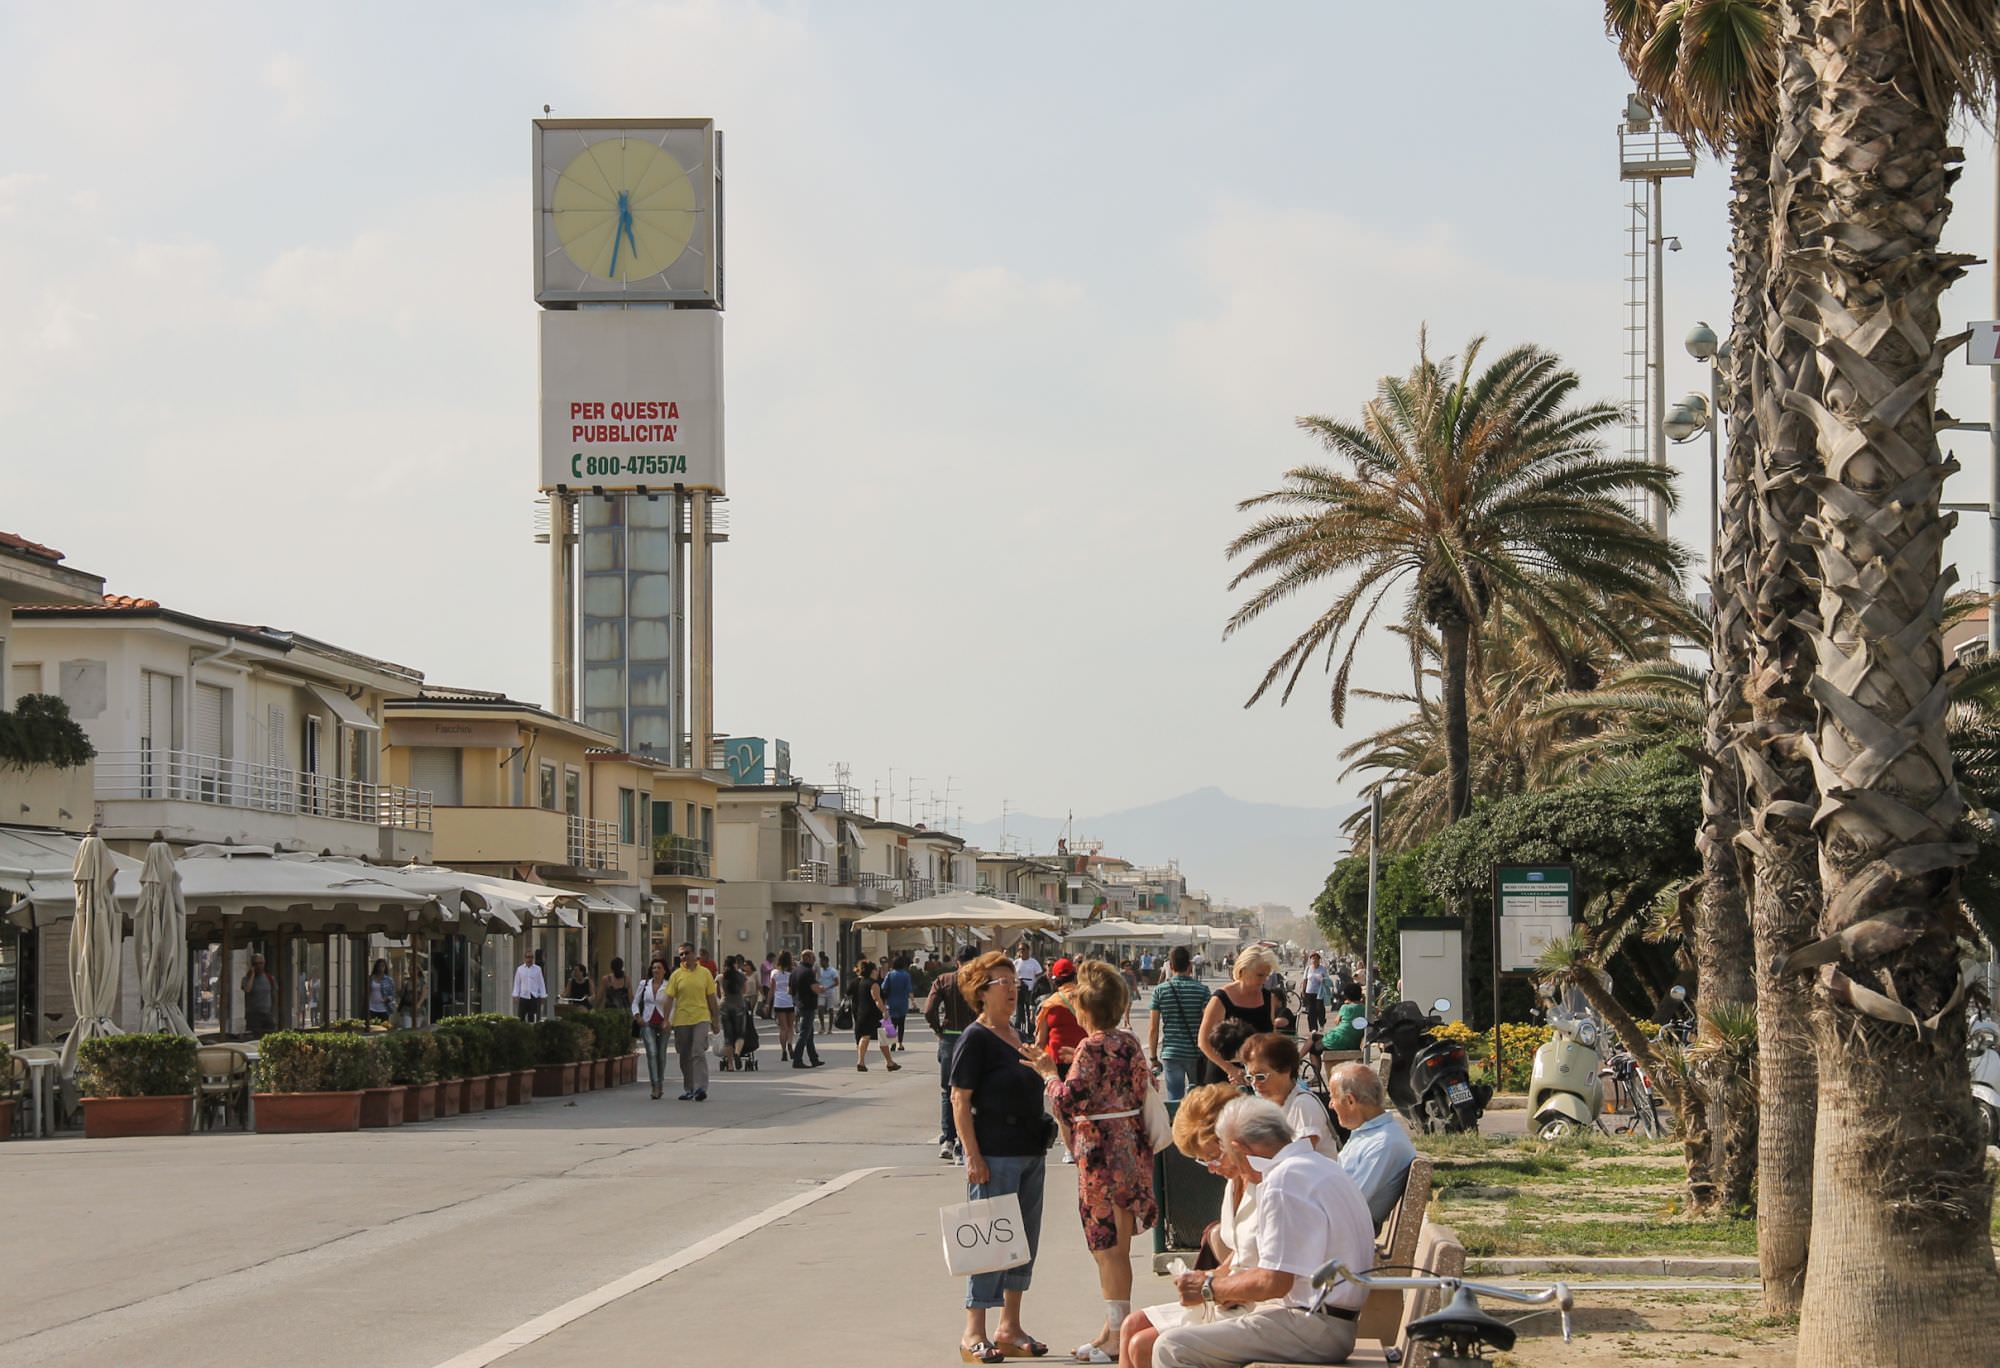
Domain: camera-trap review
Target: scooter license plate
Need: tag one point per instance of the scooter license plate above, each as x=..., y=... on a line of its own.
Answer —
x=1458, y=1093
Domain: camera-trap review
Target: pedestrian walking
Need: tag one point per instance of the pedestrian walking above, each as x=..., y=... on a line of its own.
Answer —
x=805, y=994
x=736, y=982
x=650, y=1008
x=260, y=995
x=896, y=990
x=695, y=1014
x=530, y=989
x=381, y=993
x=1174, y=1033
x=948, y=1012
x=996, y=1100
x=615, y=989
x=764, y=972
x=1028, y=973
x=781, y=1001
x=1314, y=989
x=829, y=990
x=1244, y=998
x=1103, y=1100
x=864, y=998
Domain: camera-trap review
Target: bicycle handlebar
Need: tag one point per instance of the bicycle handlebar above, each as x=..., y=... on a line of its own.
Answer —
x=1558, y=1293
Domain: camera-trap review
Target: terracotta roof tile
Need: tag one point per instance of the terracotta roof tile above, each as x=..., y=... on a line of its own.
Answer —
x=14, y=542
x=127, y=601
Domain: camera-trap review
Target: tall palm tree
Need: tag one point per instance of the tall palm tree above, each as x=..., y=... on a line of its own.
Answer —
x=1901, y=1199
x=1710, y=68
x=1469, y=489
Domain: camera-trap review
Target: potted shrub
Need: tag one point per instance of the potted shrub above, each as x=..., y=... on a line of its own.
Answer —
x=6, y=1092
x=138, y=1085
x=513, y=1057
x=475, y=1059
x=558, y=1045
x=314, y=1082
x=382, y=1096
x=450, y=1085
x=612, y=1029
x=413, y=1066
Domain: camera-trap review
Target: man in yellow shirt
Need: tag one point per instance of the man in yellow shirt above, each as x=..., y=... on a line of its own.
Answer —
x=691, y=989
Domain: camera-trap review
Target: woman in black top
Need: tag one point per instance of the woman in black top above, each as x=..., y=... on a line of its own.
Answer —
x=1243, y=999
x=615, y=990
x=996, y=1103
x=864, y=997
x=735, y=1012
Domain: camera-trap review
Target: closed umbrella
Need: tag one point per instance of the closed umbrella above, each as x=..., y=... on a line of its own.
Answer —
x=159, y=933
x=93, y=949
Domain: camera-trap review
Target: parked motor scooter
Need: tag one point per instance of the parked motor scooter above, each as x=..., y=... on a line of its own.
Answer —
x=1982, y=1048
x=1565, y=1087
x=1429, y=1079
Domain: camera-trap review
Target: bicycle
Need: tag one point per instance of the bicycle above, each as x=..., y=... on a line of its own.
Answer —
x=1632, y=1092
x=1462, y=1332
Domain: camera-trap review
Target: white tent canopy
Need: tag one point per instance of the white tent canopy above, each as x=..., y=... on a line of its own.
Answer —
x=1116, y=930
x=965, y=910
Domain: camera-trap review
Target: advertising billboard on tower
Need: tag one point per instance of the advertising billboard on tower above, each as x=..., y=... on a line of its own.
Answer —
x=632, y=399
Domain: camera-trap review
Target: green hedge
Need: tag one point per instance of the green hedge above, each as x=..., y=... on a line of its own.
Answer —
x=156, y=1065
x=513, y=1041
x=412, y=1056
x=473, y=1055
x=6, y=1070
x=296, y=1062
x=559, y=1040
x=607, y=1032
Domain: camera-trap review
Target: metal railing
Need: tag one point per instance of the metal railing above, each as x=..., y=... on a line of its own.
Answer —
x=593, y=843
x=682, y=855
x=880, y=885
x=811, y=871
x=225, y=781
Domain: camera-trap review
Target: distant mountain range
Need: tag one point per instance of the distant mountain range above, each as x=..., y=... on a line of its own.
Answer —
x=1245, y=853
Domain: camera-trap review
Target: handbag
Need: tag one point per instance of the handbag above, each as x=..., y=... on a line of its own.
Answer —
x=843, y=1017
x=984, y=1235
x=1159, y=1126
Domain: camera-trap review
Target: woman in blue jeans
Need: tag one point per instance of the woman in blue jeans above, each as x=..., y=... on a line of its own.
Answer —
x=653, y=1009
x=996, y=1101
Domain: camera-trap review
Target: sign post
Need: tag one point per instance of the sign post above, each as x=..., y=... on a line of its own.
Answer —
x=1532, y=906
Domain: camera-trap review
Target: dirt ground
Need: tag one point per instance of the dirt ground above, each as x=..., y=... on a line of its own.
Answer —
x=1656, y=1328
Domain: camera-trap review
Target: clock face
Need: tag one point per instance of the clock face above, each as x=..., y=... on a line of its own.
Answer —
x=626, y=210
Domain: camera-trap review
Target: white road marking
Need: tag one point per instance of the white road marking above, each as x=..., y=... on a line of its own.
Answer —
x=576, y=1308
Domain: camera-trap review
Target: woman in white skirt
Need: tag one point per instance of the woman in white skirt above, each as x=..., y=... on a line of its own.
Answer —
x=1194, y=1136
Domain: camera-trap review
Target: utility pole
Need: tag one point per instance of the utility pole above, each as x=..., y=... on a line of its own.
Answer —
x=1374, y=869
x=1993, y=435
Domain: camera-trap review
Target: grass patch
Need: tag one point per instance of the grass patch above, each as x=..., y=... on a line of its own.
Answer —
x=1519, y=1234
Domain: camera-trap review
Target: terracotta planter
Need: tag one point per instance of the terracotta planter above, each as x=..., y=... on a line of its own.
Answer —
x=302, y=1113
x=420, y=1102
x=520, y=1088
x=451, y=1097
x=110, y=1118
x=381, y=1107
x=631, y=1068
x=471, y=1095
x=6, y=1118
x=496, y=1091
x=582, y=1072
x=597, y=1073
x=555, y=1080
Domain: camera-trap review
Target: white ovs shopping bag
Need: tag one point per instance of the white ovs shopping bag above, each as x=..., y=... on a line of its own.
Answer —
x=984, y=1236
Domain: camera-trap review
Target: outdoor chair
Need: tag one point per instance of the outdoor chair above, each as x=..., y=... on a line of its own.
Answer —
x=224, y=1087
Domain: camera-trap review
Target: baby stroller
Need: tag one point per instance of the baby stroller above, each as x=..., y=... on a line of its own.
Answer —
x=740, y=1026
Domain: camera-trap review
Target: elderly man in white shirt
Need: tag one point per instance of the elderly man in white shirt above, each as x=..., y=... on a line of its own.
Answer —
x=1309, y=1212
x=530, y=990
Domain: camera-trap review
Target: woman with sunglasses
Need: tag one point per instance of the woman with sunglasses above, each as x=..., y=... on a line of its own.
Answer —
x=1271, y=1064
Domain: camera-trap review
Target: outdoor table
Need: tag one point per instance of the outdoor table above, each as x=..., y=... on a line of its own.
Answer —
x=38, y=1096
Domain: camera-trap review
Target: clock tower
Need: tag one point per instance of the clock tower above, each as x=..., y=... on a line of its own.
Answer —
x=628, y=271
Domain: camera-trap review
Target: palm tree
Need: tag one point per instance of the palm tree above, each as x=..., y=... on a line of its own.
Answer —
x=1710, y=68
x=1470, y=489
x=1901, y=1198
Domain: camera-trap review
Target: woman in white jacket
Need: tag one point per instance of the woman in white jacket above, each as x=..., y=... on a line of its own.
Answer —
x=653, y=1010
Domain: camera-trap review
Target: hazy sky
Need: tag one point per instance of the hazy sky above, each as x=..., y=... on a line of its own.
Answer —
x=1022, y=299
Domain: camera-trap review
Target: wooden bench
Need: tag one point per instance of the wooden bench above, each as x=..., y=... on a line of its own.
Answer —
x=1396, y=1251
x=1439, y=1252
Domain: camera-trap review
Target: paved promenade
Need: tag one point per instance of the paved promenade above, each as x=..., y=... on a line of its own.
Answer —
x=792, y=1216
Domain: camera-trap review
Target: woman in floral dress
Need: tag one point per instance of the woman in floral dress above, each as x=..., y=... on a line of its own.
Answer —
x=1102, y=1099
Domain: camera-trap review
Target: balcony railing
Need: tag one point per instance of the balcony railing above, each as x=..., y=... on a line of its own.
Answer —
x=884, y=888
x=681, y=855
x=811, y=871
x=593, y=843
x=190, y=777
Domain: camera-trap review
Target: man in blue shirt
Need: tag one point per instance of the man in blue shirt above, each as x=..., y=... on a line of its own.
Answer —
x=896, y=994
x=1378, y=1151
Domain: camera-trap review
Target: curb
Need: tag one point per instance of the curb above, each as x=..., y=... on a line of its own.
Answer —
x=1723, y=1266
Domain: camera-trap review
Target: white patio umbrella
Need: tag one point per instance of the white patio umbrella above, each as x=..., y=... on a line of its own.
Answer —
x=958, y=910
x=159, y=935
x=94, y=938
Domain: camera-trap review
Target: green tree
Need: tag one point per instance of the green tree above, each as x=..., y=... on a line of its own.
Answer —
x=1468, y=489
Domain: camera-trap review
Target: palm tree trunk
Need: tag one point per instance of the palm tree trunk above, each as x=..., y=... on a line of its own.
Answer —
x=1901, y=1200
x=1781, y=583
x=1456, y=635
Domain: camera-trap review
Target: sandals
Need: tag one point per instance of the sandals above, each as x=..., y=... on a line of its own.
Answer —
x=1091, y=1353
x=980, y=1351
x=894, y=1066
x=1030, y=1348
x=861, y=1068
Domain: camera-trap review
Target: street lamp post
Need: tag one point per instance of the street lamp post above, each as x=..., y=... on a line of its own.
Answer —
x=1703, y=346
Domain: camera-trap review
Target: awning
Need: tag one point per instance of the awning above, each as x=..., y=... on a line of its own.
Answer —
x=817, y=825
x=854, y=834
x=958, y=909
x=28, y=858
x=346, y=709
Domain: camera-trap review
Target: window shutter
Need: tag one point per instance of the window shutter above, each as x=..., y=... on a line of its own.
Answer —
x=437, y=769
